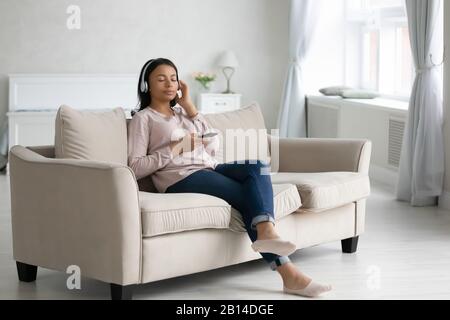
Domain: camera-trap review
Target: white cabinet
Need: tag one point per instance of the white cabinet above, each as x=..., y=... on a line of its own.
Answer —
x=216, y=102
x=34, y=100
x=31, y=128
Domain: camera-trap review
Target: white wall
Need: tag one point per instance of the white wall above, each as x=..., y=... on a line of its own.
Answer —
x=118, y=36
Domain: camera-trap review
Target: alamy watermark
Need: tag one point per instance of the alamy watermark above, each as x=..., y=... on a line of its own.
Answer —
x=236, y=145
x=73, y=21
x=374, y=277
x=74, y=280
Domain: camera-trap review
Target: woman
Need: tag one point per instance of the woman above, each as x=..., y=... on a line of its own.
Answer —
x=165, y=141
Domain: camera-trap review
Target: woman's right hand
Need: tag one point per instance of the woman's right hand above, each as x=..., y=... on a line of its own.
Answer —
x=188, y=143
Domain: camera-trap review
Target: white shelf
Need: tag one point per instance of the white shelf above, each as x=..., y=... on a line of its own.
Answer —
x=377, y=103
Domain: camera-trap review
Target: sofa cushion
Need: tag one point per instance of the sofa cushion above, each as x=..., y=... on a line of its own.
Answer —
x=286, y=200
x=245, y=125
x=326, y=190
x=91, y=135
x=164, y=213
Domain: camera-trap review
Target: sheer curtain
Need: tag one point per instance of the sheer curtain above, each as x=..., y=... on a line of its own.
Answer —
x=302, y=21
x=421, y=171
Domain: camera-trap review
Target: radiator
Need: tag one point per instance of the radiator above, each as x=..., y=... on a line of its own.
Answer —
x=396, y=131
x=376, y=120
x=323, y=120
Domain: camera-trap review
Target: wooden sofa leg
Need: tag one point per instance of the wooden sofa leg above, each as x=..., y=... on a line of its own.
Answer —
x=26, y=272
x=350, y=245
x=119, y=292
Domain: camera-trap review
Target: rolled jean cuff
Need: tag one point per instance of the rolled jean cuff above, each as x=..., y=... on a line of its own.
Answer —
x=262, y=218
x=279, y=262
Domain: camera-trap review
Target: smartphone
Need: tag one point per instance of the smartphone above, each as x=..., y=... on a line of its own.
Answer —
x=178, y=96
x=209, y=135
x=179, y=89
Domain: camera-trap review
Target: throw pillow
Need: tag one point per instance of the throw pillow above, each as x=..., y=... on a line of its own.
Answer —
x=333, y=91
x=359, y=94
x=91, y=135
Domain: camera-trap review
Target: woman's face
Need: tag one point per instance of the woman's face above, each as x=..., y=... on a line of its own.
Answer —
x=163, y=83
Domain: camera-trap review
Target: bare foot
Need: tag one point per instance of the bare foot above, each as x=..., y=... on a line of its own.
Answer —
x=296, y=280
x=266, y=231
x=299, y=281
x=292, y=277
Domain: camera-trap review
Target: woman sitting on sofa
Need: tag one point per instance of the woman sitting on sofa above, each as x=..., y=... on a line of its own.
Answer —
x=166, y=141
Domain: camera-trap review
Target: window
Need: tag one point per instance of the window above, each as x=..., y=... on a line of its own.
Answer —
x=378, y=35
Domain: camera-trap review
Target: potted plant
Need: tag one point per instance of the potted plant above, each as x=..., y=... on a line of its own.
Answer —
x=204, y=79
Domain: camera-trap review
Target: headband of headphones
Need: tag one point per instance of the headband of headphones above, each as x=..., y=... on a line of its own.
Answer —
x=143, y=82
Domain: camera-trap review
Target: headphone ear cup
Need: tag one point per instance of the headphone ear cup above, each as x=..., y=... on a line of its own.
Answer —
x=144, y=87
x=144, y=84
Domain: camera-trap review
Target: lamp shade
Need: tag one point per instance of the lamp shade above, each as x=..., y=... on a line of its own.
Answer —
x=228, y=59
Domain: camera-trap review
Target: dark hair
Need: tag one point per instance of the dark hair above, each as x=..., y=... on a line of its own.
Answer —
x=144, y=97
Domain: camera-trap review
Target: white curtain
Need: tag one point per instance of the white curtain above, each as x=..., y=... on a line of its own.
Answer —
x=302, y=20
x=421, y=171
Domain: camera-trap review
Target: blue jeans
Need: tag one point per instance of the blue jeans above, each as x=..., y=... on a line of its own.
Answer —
x=244, y=187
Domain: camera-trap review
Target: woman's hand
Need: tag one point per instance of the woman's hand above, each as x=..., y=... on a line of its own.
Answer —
x=185, y=101
x=188, y=143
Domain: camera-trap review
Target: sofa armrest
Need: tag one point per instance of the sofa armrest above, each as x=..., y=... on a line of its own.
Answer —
x=45, y=151
x=321, y=155
x=76, y=212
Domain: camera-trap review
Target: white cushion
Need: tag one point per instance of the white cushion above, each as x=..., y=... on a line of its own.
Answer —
x=334, y=90
x=326, y=190
x=91, y=135
x=164, y=213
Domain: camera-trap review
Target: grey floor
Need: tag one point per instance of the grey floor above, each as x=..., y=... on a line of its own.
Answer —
x=404, y=254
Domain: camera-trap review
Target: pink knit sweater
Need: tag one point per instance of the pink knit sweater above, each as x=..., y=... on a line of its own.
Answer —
x=149, y=135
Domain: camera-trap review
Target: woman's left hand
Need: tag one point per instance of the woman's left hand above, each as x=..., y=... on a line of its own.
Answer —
x=186, y=98
x=185, y=101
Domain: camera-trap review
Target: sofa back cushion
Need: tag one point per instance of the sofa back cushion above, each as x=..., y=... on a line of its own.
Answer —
x=246, y=130
x=91, y=135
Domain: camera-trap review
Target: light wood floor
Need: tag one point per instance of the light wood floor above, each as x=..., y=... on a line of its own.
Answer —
x=404, y=254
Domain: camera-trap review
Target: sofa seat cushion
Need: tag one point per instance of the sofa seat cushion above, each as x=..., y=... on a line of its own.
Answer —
x=325, y=190
x=286, y=200
x=164, y=213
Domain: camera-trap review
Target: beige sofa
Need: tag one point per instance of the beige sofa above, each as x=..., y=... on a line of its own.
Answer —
x=94, y=214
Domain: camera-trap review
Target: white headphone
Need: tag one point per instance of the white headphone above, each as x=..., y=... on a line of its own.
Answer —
x=144, y=84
